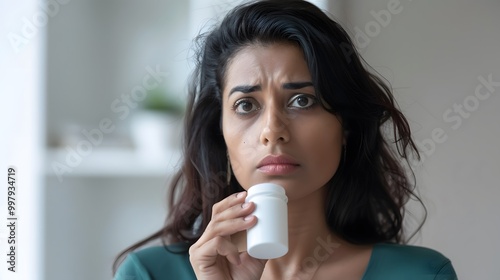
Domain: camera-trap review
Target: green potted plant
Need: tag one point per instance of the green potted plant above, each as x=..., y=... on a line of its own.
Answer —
x=156, y=125
x=159, y=100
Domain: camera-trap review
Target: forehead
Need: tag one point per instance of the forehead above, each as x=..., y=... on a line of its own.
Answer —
x=258, y=63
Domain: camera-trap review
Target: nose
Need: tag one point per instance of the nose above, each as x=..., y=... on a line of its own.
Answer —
x=275, y=127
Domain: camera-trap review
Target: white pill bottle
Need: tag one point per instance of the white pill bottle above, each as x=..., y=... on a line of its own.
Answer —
x=268, y=239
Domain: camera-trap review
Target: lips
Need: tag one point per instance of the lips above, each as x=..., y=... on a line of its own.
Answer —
x=277, y=165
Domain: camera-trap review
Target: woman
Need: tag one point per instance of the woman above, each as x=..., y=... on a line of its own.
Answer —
x=281, y=96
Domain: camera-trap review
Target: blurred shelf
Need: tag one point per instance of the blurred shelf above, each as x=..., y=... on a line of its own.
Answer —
x=111, y=162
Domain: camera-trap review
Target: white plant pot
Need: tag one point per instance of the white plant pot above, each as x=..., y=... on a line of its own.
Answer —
x=155, y=133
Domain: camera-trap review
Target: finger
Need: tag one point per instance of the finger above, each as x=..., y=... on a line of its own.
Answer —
x=236, y=211
x=226, y=228
x=206, y=255
x=231, y=226
x=230, y=201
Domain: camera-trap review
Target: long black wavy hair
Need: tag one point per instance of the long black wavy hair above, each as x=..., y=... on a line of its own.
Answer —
x=367, y=194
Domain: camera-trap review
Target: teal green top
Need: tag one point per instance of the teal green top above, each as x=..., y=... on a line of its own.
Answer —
x=387, y=262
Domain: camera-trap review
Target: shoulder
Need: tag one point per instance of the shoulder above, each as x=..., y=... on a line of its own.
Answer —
x=395, y=261
x=159, y=262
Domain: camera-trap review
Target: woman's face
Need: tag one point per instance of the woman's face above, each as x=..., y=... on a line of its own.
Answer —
x=273, y=124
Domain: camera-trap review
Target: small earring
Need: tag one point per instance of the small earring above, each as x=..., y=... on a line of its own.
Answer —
x=228, y=171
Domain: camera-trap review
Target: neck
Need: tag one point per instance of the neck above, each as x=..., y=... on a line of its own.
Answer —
x=310, y=241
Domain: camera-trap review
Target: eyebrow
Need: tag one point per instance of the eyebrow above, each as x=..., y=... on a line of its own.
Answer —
x=250, y=88
x=245, y=89
x=298, y=85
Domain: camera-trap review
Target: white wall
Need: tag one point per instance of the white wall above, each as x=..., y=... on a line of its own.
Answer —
x=433, y=52
x=99, y=50
x=91, y=219
x=21, y=139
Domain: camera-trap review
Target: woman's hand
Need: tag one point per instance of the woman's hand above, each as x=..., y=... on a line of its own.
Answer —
x=214, y=256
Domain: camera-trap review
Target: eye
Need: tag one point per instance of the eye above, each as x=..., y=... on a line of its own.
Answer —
x=245, y=106
x=303, y=101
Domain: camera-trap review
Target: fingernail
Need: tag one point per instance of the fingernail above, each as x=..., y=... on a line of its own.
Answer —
x=248, y=218
x=245, y=205
x=241, y=194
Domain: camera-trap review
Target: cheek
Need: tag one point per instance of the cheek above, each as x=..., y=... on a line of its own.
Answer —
x=242, y=154
x=324, y=148
x=239, y=146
